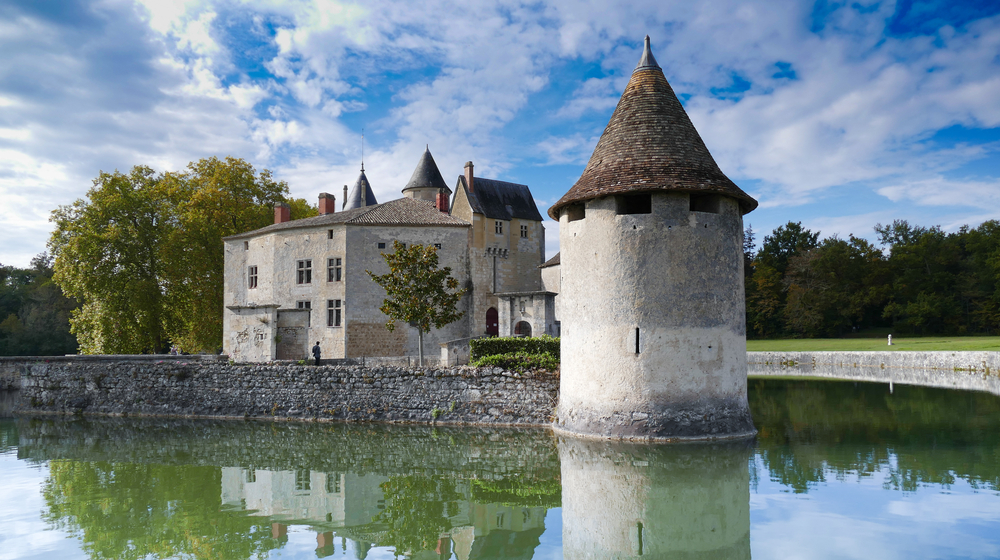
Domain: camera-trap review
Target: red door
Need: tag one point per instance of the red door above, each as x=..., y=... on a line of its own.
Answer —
x=492, y=322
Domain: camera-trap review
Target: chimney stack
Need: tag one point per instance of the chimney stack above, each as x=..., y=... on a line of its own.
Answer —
x=327, y=203
x=282, y=213
x=441, y=202
x=468, y=176
x=344, y=204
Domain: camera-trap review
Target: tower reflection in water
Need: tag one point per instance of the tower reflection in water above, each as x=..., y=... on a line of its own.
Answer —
x=655, y=501
x=425, y=517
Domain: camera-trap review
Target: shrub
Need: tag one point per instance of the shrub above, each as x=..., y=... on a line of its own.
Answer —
x=519, y=361
x=482, y=347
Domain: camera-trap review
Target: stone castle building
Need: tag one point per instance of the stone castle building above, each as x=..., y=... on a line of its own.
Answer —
x=296, y=282
x=651, y=294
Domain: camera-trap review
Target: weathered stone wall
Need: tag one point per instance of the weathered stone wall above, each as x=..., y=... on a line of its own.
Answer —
x=339, y=392
x=974, y=371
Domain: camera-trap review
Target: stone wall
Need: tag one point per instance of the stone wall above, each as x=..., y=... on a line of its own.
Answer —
x=455, y=395
x=974, y=371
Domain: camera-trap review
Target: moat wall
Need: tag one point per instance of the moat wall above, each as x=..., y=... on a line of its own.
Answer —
x=207, y=387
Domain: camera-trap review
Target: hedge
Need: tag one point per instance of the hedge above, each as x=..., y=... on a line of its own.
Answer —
x=482, y=347
x=519, y=361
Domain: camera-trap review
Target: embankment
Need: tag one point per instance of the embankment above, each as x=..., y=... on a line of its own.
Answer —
x=972, y=371
x=207, y=387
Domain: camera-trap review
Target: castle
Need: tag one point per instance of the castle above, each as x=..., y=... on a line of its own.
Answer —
x=296, y=282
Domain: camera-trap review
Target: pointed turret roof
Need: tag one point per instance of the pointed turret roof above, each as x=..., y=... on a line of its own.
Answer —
x=427, y=175
x=650, y=145
x=361, y=195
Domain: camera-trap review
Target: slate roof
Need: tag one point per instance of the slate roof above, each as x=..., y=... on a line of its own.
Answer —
x=427, y=174
x=399, y=212
x=500, y=200
x=361, y=195
x=554, y=261
x=650, y=145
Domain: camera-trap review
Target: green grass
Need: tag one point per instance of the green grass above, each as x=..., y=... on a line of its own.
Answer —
x=916, y=344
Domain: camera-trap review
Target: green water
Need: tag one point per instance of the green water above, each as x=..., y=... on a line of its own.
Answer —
x=839, y=470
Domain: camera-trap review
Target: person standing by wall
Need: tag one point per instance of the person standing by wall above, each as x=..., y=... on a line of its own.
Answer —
x=316, y=352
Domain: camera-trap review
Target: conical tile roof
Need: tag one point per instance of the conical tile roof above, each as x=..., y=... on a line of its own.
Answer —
x=427, y=175
x=650, y=145
x=361, y=195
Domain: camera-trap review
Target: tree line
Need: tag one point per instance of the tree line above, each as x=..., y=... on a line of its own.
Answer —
x=918, y=280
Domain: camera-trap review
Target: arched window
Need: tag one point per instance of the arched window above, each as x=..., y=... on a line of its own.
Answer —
x=522, y=328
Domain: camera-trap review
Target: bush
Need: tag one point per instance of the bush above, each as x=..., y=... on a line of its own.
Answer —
x=519, y=361
x=482, y=347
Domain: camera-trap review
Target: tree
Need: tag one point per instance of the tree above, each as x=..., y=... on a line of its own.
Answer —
x=214, y=199
x=107, y=252
x=784, y=243
x=417, y=291
x=34, y=312
x=144, y=254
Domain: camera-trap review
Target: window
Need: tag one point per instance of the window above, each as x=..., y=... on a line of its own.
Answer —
x=252, y=277
x=246, y=245
x=381, y=245
x=329, y=234
x=437, y=246
x=333, y=308
x=251, y=475
x=305, y=272
x=333, y=270
x=705, y=203
x=524, y=232
x=575, y=212
x=634, y=204
x=302, y=479
x=332, y=483
x=303, y=304
x=498, y=226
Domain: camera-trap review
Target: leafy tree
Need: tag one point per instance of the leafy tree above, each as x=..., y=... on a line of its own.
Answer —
x=784, y=243
x=36, y=313
x=417, y=291
x=214, y=199
x=107, y=252
x=417, y=508
x=144, y=253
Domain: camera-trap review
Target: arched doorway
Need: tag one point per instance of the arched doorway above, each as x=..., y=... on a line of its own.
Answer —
x=492, y=322
x=522, y=328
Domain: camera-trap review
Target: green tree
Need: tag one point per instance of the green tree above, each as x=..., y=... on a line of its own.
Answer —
x=214, y=199
x=35, y=312
x=417, y=291
x=107, y=252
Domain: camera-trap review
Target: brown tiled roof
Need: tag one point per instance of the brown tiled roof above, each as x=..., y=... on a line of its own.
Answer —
x=554, y=261
x=650, y=145
x=399, y=212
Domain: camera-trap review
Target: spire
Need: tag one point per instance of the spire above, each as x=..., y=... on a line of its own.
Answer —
x=647, y=61
x=361, y=195
x=427, y=175
x=650, y=145
x=363, y=138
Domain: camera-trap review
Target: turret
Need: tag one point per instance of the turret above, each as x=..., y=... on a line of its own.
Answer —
x=426, y=183
x=653, y=325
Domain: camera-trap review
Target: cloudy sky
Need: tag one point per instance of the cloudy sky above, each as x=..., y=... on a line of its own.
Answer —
x=837, y=114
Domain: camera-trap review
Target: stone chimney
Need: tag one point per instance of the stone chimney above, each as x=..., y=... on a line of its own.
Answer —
x=344, y=203
x=468, y=176
x=327, y=203
x=441, y=202
x=282, y=213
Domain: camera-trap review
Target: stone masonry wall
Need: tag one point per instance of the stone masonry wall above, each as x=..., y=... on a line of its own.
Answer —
x=455, y=395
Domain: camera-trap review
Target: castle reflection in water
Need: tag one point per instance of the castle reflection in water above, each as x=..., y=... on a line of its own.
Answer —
x=345, y=508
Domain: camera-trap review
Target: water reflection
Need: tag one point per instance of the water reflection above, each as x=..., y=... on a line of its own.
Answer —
x=639, y=501
x=882, y=466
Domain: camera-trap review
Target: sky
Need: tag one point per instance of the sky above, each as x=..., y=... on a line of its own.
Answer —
x=839, y=115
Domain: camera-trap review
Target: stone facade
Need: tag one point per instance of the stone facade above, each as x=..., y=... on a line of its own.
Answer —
x=292, y=284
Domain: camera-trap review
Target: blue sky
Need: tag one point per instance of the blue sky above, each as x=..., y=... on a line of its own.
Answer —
x=837, y=114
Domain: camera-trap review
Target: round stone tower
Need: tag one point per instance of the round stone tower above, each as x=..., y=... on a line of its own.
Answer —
x=651, y=241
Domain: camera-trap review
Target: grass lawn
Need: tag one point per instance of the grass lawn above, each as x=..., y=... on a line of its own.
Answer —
x=991, y=343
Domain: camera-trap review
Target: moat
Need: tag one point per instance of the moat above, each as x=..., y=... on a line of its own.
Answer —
x=838, y=470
